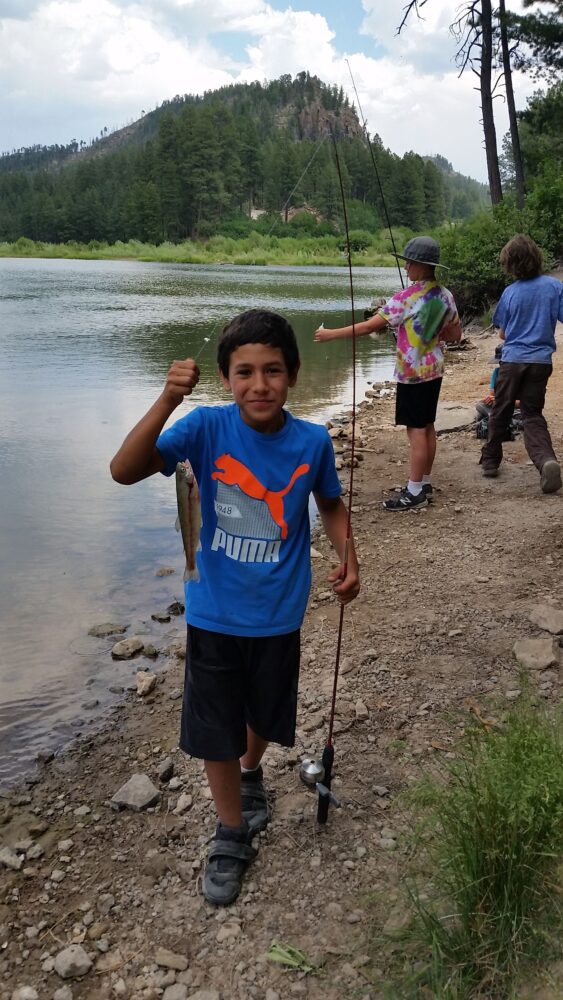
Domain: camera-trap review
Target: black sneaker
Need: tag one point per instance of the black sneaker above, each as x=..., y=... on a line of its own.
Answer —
x=406, y=501
x=489, y=470
x=230, y=854
x=550, y=476
x=428, y=491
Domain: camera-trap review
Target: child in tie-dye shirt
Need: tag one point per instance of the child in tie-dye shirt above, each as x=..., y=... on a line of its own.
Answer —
x=423, y=316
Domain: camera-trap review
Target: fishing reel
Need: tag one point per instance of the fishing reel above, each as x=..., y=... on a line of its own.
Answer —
x=313, y=775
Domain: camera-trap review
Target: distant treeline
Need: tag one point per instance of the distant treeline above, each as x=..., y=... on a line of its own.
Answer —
x=197, y=167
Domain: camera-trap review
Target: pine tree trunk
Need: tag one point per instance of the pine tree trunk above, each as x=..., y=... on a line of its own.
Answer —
x=485, y=75
x=514, y=136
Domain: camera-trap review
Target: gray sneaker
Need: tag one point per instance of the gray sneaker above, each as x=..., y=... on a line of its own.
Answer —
x=550, y=478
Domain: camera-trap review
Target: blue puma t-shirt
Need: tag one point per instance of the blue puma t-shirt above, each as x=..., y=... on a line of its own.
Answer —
x=528, y=312
x=254, y=562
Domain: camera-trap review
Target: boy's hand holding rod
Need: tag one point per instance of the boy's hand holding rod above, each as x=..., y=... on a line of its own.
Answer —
x=138, y=457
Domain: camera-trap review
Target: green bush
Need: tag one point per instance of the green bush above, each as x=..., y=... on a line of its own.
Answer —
x=497, y=841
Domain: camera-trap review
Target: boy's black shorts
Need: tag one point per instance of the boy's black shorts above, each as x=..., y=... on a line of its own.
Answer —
x=232, y=681
x=417, y=402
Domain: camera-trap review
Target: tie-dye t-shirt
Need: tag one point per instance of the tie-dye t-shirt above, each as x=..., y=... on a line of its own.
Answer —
x=417, y=314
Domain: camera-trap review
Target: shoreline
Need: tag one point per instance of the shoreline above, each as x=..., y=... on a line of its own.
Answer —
x=446, y=592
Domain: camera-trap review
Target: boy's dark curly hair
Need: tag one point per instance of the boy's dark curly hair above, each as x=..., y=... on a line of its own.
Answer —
x=258, y=326
x=521, y=257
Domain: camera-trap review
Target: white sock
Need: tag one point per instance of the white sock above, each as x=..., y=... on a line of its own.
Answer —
x=249, y=770
x=427, y=480
x=414, y=488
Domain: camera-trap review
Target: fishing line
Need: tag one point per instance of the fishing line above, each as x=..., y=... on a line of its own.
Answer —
x=286, y=203
x=319, y=144
x=379, y=184
x=328, y=752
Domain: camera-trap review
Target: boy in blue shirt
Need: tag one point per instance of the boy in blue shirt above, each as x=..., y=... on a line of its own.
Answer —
x=526, y=316
x=256, y=466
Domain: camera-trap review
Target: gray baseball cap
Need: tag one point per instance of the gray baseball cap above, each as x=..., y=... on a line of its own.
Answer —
x=423, y=250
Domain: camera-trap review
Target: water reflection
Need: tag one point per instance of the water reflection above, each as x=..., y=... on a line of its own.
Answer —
x=85, y=346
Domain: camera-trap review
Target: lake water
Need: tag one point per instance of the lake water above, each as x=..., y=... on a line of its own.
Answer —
x=84, y=350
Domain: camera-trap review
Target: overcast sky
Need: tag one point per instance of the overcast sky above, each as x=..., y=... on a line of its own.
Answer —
x=69, y=68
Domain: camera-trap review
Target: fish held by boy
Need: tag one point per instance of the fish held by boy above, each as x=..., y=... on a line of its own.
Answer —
x=189, y=516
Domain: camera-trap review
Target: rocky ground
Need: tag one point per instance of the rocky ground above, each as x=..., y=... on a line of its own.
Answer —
x=98, y=902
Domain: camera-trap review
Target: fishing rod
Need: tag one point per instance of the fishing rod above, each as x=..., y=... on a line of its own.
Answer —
x=318, y=146
x=379, y=184
x=317, y=775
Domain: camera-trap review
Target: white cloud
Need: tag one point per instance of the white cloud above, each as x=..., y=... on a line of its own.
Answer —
x=71, y=68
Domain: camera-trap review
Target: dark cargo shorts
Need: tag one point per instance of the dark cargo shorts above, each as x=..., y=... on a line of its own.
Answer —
x=417, y=402
x=234, y=681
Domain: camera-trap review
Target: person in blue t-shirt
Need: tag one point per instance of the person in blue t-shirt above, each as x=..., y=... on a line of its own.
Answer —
x=526, y=316
x=256, y=466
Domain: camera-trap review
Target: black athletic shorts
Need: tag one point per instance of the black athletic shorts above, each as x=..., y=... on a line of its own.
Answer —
x=417, y=402
x=232, y=681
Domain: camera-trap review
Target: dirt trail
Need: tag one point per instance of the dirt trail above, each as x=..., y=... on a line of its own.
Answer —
x=446, y=592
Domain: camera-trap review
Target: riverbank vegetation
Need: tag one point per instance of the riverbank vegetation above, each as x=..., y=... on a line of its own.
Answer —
x=245, y=176
x=490, y=844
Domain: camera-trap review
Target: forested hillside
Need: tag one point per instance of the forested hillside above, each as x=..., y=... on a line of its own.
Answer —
x=197, y=166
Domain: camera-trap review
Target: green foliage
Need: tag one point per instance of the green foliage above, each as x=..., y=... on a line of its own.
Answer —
x=196, y=167
x=291, y=958
x=497, y=840
x=359, y=240
x=541, y=34
x=471, y=251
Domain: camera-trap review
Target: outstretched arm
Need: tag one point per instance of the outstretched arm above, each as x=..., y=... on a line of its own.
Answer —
x=335, y=522
x=138, y=456
x=372, y=325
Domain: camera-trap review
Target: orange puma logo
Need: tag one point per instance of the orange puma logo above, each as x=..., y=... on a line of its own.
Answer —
x=234, y=473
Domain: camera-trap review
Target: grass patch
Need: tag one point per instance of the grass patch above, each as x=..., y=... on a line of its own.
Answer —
x=494, y=845
x=255, y=250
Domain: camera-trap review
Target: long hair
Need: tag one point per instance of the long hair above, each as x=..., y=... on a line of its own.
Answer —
x=521, y=257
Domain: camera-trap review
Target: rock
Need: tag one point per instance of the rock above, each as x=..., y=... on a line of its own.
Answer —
x=25, y=993
x=176, y=608
x=362, y=713
x=138, y=793
x=146, y=682
x=177, y=649
x=165, y=571
x=454, y=417
x=228, y=931
x=202, y=995
x=127, y=648
x=72, y=962
x=166, y=769
x=380, y=790
x=536, y=654
x=64, y=993
x=398, y=921
x=548, y=618
x=9, y=859
x=161, y=616
x=170, y=960
x=105, y=903
x=107, y=629
x=184, y=803
x=110, y=962
x=176, y=992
